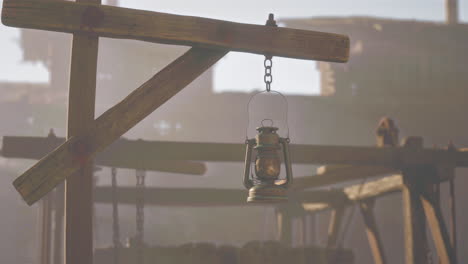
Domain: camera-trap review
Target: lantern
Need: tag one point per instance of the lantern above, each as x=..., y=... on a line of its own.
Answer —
x=265, y=186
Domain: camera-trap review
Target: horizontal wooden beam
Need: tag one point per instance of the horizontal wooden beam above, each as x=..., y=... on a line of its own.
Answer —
x=124, y=23
x=329, y=175
x=233, y=197
x=175, y=196
x=123, y=153
x=206, y=196
x=386, y=160
x=111, y=125
x=359, y=192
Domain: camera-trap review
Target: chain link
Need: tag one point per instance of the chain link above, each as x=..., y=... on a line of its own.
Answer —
x=268, y=78
x=140, y=213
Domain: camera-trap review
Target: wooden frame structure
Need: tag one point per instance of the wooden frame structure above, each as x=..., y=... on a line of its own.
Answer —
x=210, y=40
x=88, y=20
x=421, y=175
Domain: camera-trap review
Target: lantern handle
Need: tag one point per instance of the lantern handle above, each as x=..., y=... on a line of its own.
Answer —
x=248, y=111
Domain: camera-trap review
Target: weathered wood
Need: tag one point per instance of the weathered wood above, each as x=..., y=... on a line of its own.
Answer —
x=373, y=235
x=437, y=226
x=175, y=196
x=328, y=175
x=66, y=159
x=371, y=189
x=334, y=226
x=117, y=22
x=79, y=186
x=414, y=222
x=46, y=229
x=123, y=153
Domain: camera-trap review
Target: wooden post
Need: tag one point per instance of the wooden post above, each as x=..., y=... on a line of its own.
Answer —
x=58, y=220
x=46, y=216
x=334, y=226
x=436, y=223
x=414, y=222
x=78, y=189
x=375, y=242
x=284, y=226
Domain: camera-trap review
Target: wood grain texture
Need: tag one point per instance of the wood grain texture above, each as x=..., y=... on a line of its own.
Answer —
x=124, y=23
x=79, y=186
x=63, y=161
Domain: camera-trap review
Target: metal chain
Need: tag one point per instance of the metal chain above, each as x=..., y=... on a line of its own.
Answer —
x=115, y=217
x=140, y=213
x=268, y=78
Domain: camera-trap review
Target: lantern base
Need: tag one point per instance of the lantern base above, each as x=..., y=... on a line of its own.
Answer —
x=267, y=193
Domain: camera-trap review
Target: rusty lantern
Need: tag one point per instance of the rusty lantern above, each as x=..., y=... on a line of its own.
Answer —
x=265, y=186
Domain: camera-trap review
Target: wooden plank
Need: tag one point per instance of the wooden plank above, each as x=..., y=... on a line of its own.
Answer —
x=303, y=154
x=334, y=226
x=328, y=175
x=79, y=186
x=414, y=222
x=64, y=161
x=437, y=227
x=61, y=162
x=184, y=197
x=372, y=232
x=124, y=23
x=123, y=153
x=46, y=228
x=353, y=193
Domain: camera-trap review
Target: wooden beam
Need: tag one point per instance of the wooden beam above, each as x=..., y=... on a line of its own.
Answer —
x=123, y=153
x=175, y=196
x=414, y=222
x=371, y=189
x=79, y=186
x=373, y=235
x=46, y=228
x=437, y=227
x=334, y=226
x=124, y=23
x=329, y=175
x=66, y=159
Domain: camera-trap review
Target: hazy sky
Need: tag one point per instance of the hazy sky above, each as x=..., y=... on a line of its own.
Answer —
x=245, y=71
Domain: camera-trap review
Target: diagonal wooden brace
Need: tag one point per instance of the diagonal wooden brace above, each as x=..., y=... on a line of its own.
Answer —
x=124, y=23
x=67, y=159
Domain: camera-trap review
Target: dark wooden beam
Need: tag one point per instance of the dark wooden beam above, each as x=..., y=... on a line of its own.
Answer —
x=111, y=125
x=334, y=227
x=123, y=153
x=125, y=23
x=414, y=221
x=437, y=227
x=79, y=186
x=382, y=161
x=175, y=196
x=372, y=232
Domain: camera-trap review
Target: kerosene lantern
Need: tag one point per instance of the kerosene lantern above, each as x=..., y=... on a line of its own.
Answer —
x=265, y=186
